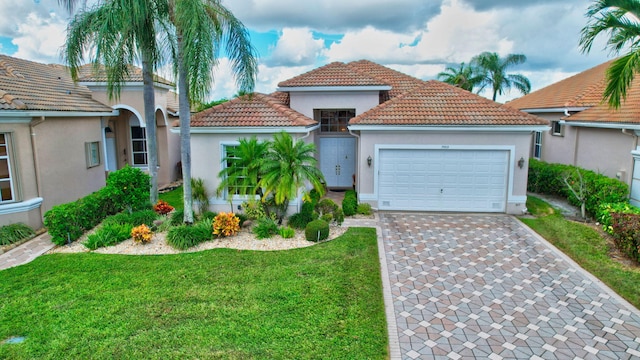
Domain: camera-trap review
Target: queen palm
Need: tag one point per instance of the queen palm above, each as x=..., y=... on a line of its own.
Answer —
x=464, y=76
x=493, y=69
x=287, y=168
x=201, y=28
x=118, y=32
x=620, y=19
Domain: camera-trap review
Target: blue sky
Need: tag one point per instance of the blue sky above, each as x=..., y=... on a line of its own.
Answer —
x=418, y=37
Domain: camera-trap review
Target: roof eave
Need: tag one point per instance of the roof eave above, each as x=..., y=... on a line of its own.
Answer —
x=554, y=109
x=249, y=129
x=53, y=113
x=601, y=125
x=333, y=88
x=461, y=128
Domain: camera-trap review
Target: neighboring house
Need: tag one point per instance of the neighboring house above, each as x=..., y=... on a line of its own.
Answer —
x=56, y=137
x=584, y=131
x=404, y=143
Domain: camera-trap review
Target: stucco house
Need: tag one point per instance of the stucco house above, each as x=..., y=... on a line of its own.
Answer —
x=59, y=139
x=404, y=143
x=585, y=132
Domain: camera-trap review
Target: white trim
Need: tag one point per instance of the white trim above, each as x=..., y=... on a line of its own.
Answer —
x=134, y=111
x=601, y=125
x=548, y=110
x=510, y=162
x=250, y=129
x=333, y=88
x=19, y=207
x=48, y=113
x=469, y=128
x=164, y=115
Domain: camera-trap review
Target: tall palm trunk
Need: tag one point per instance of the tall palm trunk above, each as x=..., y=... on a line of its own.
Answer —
x=184, y=111
x=150, y=123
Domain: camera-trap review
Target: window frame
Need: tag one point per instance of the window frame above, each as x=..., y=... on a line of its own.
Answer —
x=341, y=117
x=92, y=148
x=142, y=140
x=537, y=145
x=8, y=158
x=225, y=165
x=560, y=128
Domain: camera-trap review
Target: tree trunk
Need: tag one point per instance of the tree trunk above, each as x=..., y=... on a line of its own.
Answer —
x=150, y=123
x=185, y=133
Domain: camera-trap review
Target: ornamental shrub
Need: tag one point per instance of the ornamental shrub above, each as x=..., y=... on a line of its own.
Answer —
x=606, y=210
x=253, y=209
x=129, y=188
x=350, y=203
x=162, y=207
x=10, y=234
x=626, y=233
x=265, y=228
x=185, y=236
x=141, y=234
x=136, y=218
x=226, y=224
x=317, y=230
x=108, y=235
x=287, y=232
x=364, y=209
x=177, y=217
x=338, y=216
x=326, y=206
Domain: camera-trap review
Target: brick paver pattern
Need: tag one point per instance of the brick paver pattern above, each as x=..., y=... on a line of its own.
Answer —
x=483, y=286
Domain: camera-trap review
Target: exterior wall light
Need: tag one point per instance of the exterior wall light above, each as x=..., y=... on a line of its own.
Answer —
x=521, y=163
x=369, y=161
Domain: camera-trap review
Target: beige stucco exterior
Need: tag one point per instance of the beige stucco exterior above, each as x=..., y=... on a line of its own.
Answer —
x=306, y=101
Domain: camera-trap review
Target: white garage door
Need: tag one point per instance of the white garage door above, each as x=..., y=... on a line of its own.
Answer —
x=443, y=180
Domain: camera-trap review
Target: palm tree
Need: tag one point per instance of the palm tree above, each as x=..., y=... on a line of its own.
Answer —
x=287, y=168
x=465, y=76
x=118, y=32
x=621, y=20
x=201, y=27
x=494, y=72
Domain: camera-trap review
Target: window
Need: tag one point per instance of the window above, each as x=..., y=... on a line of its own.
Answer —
x=7, y=193
x=237, y=188
x=537, y=145
x=557, y=128
x=139, y=145
x=334, y=121
x=92, y=152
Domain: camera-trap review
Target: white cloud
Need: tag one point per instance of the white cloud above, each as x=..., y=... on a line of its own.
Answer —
x=295, y=47
x=40, y=38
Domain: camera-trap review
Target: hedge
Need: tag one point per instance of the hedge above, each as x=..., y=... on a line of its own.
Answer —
x=545, y=178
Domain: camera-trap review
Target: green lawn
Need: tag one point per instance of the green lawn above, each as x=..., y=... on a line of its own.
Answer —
x=585, y=246
x=174, y=198
x=321, y=302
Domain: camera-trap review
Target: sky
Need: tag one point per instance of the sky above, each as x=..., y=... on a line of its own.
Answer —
x=418, y=37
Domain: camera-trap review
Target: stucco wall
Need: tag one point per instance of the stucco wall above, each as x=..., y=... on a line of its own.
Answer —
x=606, y=151
x=306, y=102
x=558, y=148
x=520, y=142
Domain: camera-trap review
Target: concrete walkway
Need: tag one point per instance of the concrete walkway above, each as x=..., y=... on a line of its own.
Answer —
x=26, y=252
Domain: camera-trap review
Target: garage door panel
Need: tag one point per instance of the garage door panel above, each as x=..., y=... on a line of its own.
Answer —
x=443, y=180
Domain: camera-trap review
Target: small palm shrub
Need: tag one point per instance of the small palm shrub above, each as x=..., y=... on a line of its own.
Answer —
x=226, y=224
x=13, y=233
x=199, y=194
x=287, y=232
x=162, y=207
x=364, y=209
x=265, y=228
x=185, y=236
x=350, y=203
x=317, y=230
x=108, y=235
x=141, y=234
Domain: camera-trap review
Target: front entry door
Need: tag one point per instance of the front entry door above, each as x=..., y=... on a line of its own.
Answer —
x=338, y=161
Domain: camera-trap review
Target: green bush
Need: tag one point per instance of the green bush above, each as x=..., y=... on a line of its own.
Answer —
x=326, y=206
x=317, y=230
x=287, y=232
x=135, y=218
x=253, y=209
x=338, y=216
x=350, y=203
x=207, y=215
x=129, y=188
x=305, y=216
x=185, y=236
x=109, y=234
x=626, y=233
x=177, y=217
x=327, y=217
x=12, y=233
x=364, y=209
x=545, y=178
x=606, y=210
x=265, y=228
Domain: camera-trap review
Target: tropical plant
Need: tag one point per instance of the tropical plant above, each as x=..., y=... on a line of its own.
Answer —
x=200, y=195
x=464, y=76
x=287, y=168
x=265, y=228
x=620, y=19
x=141, y=234
x=115, y=34
x=201, y=27
x=493, y=71
x=162, y=207
x=226, y=224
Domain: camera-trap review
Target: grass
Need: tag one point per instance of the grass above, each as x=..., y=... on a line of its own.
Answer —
x=321, y=302
x=174, y=198
x=586, y=247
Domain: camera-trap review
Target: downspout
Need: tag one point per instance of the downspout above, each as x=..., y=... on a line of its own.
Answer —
x=633, y=162
x=358, y=160
x=34, y=151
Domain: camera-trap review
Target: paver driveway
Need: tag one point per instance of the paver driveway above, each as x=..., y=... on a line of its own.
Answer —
x=484, y=286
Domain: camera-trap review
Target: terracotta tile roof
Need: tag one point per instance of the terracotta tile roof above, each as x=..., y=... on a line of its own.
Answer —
x=282, y=97
x=27, y=85
x=628, y=113
x=333, y=74
x=399, y=82
x=581, y=90
x=437, y=103
x=251, y=110
x=92, y=73
x=173, y=104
